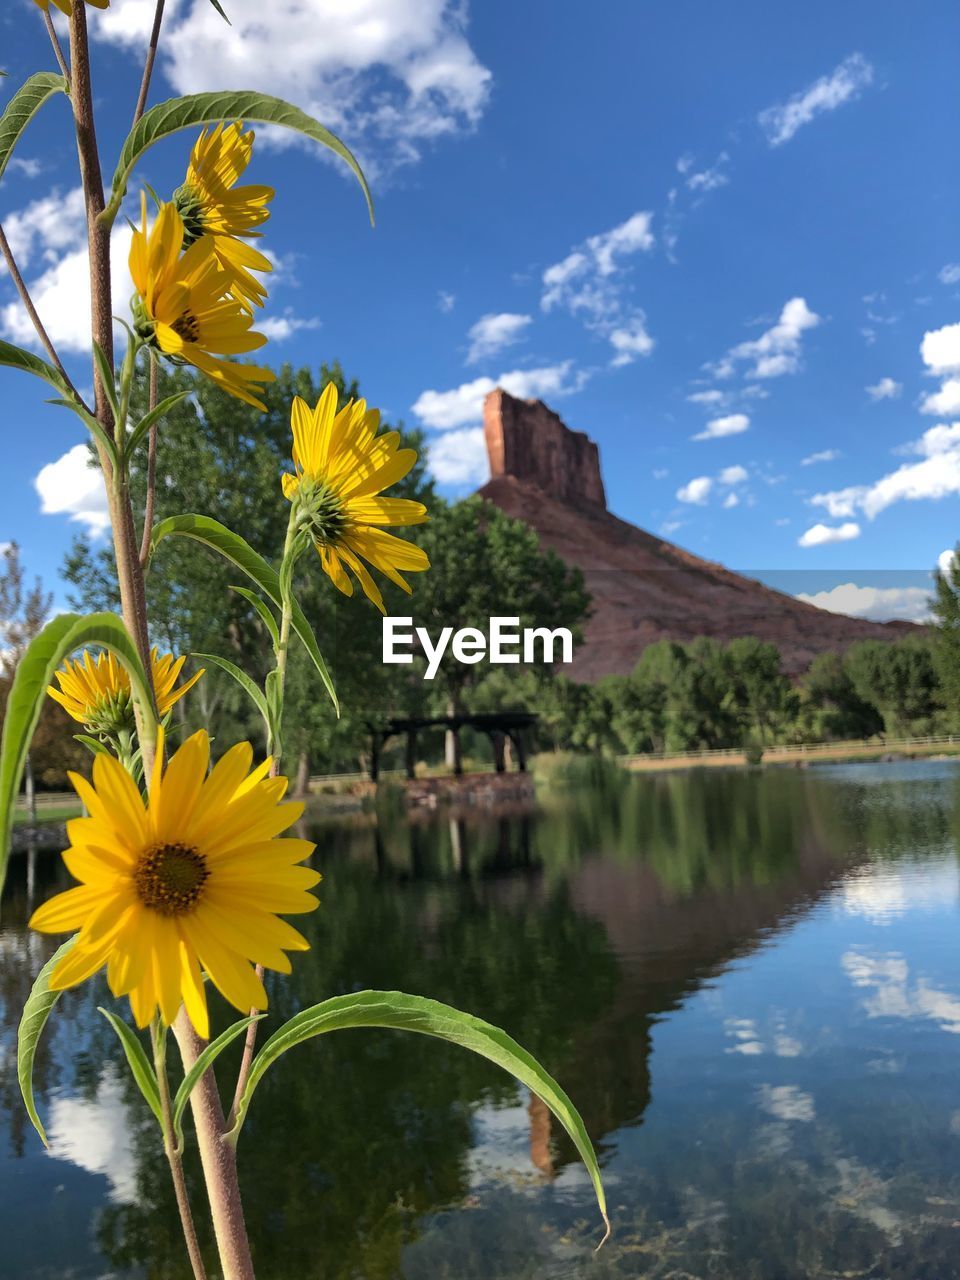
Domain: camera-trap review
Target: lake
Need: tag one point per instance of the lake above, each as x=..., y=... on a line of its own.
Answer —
x=747, y=981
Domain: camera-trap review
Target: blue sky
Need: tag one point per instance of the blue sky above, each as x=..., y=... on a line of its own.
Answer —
x=720, y=239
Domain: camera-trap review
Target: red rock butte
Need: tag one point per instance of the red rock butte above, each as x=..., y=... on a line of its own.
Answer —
x=643, y=588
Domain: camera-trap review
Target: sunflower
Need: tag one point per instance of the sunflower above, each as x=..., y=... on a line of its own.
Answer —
x=211, y=204
x=191, y=880
x=66, y=6
x=342, y=467
x=96, y=691
x=186, y=308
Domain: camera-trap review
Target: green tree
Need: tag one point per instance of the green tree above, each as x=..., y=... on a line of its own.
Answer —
x=764, y=695
x=899, y=680
x=830, y=705
x=946, y=642
x=486, y=564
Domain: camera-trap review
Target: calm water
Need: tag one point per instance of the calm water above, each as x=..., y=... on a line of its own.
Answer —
x=749, y=983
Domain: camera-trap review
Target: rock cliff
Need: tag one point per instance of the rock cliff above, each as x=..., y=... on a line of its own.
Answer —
x=643, y=587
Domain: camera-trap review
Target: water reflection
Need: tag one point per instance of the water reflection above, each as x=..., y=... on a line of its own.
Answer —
x=695, y=957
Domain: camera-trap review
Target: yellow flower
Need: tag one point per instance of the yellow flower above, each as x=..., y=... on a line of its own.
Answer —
x=342, y=467
x=188, y=311
x=96, y=691
x=192, y=879
x=66, y=6
x=211, y=204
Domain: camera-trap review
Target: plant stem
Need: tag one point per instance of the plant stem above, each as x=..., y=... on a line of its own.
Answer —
x=151, y=470
x=218, y=1157
x=219, y=1160
x=129, y=574
x=32, y=312
x=150, y=60
x=52, y=33
x=173, y=1155
x=275, y=748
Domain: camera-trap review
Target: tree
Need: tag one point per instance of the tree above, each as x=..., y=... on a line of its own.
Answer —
x=830, y=705
x=763, y=694
x=946, y=636
x=899, y=680
x=486, y=564
x=23, y=612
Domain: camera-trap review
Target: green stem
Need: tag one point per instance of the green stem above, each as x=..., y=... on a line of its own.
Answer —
x=292, y=550
x=290, y=557
x=159, y=1040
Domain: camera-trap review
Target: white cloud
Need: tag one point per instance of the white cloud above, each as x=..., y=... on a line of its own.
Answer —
x=71, y=486
x=844, y=84
x=696, y=491
x=885, y=389
x=936, y=476
x=387, y=75
x=97, y=1135
x=632, y=236
x=711, y=397
x=463, y=406
x=787, y=1102
x=775, y=352
x=47, y=226
x=731, y=500
x=446, y=301
x=630, y=341
x=878, y=603
x=711, y=178
x=940, y=349
x=950, y=274
x=279, y=328
x=588, y=283
x=62, y=297
x=733, y=475
x=27, y=165
x=821, y=534
x=493, y=332
x=577, y=281
x=825, y=455
x=460, y=457
x=945, y=560
x=733, y=424
x=944, y=402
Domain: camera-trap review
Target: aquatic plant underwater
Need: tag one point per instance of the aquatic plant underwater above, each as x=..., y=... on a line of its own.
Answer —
x=184, y=871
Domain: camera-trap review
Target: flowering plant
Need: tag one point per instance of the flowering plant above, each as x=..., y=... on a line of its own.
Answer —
x=184, y=871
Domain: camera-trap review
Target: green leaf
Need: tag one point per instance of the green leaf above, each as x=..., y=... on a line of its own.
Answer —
x=401, y=1012
x=202, y=1064
x=232, y=547
x=147, y=421
x=108, y=377
x=36, y=1011
x=199, y=109
x=22, y=107
x=93, y=745
x=34, y=672
x=16, y=358
x=249, y=686
x=264, y=611
x=140, y=1067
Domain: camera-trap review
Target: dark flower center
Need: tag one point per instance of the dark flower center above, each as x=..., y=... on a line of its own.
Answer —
x=170, y=877
x=187, y=326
